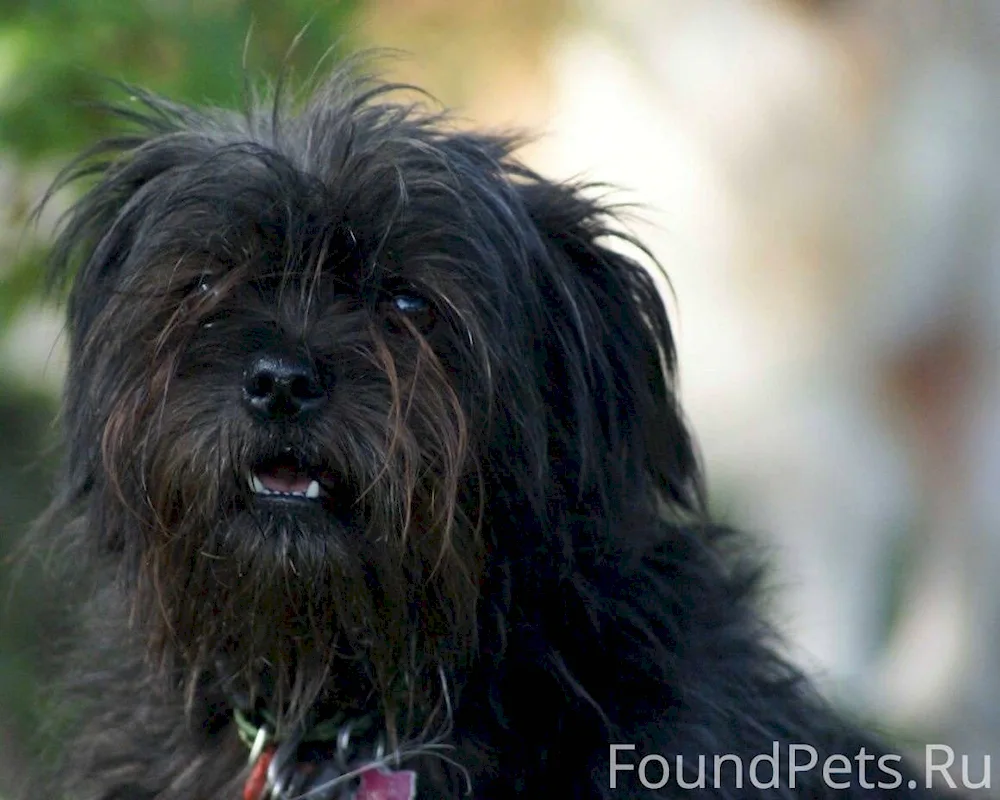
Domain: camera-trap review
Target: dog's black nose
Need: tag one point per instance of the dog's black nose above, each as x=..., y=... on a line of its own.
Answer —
x=278, y=386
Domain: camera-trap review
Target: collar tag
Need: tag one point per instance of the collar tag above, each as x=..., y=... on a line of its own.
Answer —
x=381, y=784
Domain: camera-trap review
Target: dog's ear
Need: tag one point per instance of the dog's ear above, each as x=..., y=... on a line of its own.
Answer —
x=611, y=358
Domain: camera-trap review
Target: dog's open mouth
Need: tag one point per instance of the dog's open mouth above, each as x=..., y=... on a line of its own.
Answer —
x=289, y=478
x=286, y=477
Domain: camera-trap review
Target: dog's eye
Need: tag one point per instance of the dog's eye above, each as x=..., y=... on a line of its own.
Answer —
x=201, y=285
x=409, y=303
x=405, y=303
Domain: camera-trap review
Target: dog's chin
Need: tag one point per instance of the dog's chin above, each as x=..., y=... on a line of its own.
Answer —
x=297, y=517
x=282, y=535
x=293, y=531
x=290, y=504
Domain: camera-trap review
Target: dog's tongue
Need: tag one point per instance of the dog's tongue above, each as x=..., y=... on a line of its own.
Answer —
x=285, y=478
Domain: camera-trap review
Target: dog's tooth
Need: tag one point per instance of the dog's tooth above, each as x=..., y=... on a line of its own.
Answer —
x=256, y=485
x=313, y=491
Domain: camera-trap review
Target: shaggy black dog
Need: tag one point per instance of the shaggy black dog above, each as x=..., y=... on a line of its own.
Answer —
x=373, y=446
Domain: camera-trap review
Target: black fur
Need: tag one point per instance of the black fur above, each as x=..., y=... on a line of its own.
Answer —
x=511, y=567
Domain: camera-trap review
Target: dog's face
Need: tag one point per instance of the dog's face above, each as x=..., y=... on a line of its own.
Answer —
x=344, y=379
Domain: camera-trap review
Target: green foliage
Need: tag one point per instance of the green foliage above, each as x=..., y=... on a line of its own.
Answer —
x=56, y=54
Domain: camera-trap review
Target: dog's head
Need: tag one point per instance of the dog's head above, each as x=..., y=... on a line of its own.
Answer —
x=344, y=380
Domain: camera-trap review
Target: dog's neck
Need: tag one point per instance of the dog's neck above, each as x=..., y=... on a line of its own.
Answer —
x=321, y=756
x=338, y=741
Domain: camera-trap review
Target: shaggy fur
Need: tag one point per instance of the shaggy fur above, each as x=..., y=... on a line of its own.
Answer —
x=509, y=567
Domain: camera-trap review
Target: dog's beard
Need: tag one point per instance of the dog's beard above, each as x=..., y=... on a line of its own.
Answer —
x=364, y=596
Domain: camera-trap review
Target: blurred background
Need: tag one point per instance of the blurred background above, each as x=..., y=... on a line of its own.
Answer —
x=821, y=181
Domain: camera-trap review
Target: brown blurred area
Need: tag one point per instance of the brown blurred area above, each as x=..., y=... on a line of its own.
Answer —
x=487, y=59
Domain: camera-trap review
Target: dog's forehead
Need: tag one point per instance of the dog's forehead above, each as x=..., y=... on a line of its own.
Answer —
x=362, y=197
x=351, y=189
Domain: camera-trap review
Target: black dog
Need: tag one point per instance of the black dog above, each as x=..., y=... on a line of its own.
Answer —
x=373, y=444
